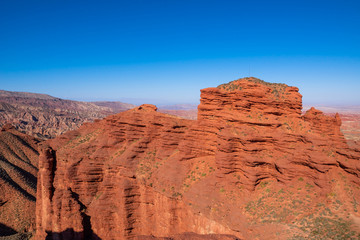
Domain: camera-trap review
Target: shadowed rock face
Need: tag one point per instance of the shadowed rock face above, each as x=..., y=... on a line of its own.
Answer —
x=250, y=167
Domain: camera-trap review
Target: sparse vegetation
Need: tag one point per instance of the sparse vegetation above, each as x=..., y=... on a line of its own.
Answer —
x=278, y=89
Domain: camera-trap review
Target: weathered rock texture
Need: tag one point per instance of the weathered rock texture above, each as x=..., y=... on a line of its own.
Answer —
x=18, y=172
x=251, y=167
x=45, y=117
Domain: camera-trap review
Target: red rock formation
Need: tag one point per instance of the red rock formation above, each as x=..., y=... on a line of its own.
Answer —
x=251, y=166
x=109, y=168
x=350, y=118
x=260, y=125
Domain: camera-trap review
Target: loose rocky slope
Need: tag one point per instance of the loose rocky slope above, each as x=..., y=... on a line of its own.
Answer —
x=251, y=166
x=18, y=172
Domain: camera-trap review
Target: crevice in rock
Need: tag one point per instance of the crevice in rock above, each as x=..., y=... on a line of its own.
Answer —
x=86, y=219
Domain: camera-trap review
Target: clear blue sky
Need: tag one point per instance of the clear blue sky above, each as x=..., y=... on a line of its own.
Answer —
x=166, y=51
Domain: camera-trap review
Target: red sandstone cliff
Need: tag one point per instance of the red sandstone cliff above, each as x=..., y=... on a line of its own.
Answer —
x=251, y=167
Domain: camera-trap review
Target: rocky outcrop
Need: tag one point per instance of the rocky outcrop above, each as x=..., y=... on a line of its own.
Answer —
x=18, y=171
x=248, y=167
x=114, y=160
x=259, y=126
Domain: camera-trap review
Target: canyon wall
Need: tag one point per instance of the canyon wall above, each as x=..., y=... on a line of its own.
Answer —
x=144, y=173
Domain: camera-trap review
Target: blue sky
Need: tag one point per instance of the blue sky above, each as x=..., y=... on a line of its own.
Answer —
x=164, y=52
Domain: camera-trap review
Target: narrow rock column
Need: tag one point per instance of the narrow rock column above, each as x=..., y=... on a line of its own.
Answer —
x=45, y=192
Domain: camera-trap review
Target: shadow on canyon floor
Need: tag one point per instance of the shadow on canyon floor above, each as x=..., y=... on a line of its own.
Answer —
x=71, y=234
x=7, y=233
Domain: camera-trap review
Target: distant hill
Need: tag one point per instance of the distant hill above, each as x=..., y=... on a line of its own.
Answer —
x=187, y=114
x=179, y=107
x=116, y=107
x=4, y=93
x=188, y=111
x=44, y=116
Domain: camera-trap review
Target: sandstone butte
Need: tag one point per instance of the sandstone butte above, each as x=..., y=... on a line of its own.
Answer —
x=250, y=167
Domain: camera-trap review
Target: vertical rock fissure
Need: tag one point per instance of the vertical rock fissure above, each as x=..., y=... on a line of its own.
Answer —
x=86, y=219
x=52, y=156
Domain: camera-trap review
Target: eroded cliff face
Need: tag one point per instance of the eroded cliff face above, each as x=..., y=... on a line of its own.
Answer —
x=250, y=167
x=99, y=183
x=259, y=128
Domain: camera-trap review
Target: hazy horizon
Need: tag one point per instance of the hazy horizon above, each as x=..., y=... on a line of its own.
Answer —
x=163, y=104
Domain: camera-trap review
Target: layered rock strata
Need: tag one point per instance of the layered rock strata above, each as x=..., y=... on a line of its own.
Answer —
x=144, y=173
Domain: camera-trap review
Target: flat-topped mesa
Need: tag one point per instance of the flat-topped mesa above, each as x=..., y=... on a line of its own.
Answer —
x=247, y=97
x=246, y=102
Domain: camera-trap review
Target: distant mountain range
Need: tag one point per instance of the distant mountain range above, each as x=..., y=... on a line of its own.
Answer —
x=45, y=116
x=5, y=94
